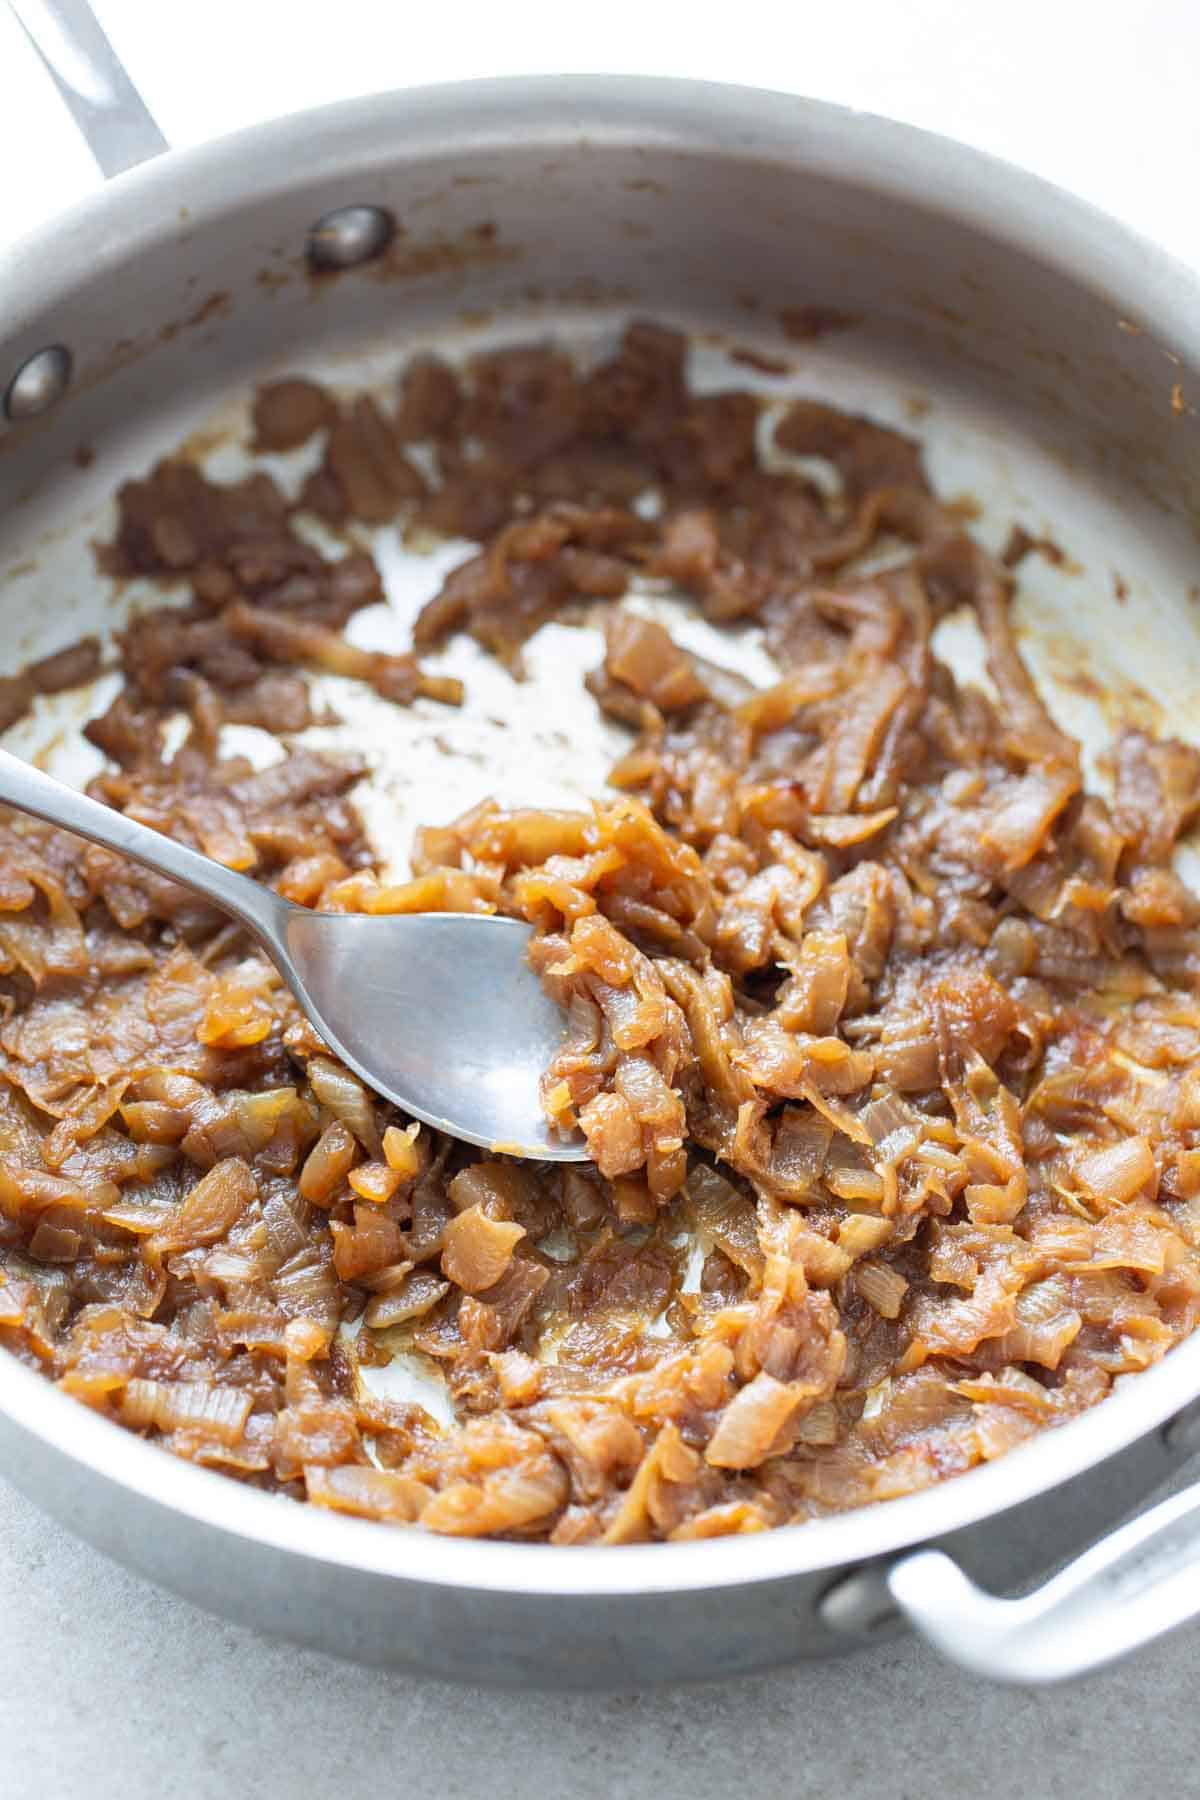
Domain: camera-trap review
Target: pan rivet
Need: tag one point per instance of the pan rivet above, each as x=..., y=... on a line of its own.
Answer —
x=351, y=235
x=38, y=383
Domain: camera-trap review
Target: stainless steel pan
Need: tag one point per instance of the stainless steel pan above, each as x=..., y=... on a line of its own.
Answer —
x=1053, y=359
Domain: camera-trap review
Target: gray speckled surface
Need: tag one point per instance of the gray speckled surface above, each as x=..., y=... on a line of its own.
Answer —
x=111, y=1688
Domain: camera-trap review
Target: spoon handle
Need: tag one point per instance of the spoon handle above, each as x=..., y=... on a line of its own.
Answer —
x=31, y=791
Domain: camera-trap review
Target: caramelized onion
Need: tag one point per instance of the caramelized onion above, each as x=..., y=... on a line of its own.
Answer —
x=883, y=1033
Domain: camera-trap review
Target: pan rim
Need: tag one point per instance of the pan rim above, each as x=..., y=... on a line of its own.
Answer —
x=274, y=1522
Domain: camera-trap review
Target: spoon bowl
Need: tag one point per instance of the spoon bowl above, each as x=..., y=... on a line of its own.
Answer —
x=438, y=1012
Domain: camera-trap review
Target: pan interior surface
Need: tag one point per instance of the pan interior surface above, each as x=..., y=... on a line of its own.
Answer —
x=1042, y=399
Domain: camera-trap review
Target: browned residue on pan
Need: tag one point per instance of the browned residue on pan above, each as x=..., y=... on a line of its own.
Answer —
x=585, y=290
x=937, y=308
x=1122, y=702
x=1022, y=543
x=407, y=259
x=209, y=438
x=271, y=280
x=754, y=359
x=1177, y=399
x=216, y=306
x=805, y=324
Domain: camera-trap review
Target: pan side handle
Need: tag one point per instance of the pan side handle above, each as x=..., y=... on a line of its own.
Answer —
x=113, y=119
x=1135, y=1584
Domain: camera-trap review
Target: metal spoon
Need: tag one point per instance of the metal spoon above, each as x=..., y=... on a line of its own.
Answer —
x=439, y=1012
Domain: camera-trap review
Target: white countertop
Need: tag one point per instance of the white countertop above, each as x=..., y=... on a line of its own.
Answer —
x=110, y=1688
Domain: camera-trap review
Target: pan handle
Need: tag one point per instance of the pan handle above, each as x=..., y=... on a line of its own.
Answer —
x=1135, y=1584
x=113, y=119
